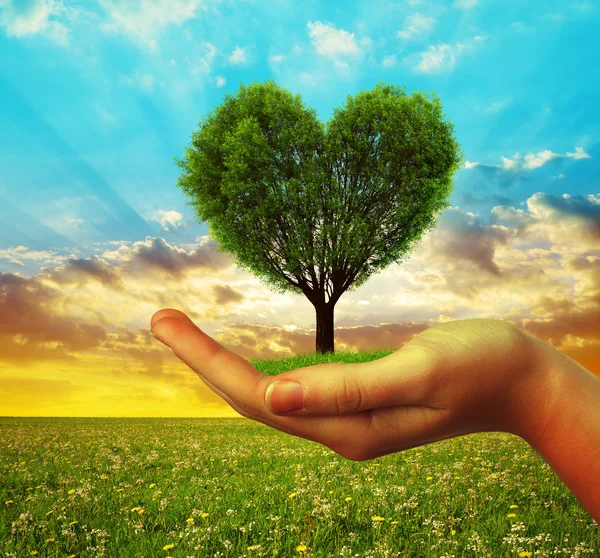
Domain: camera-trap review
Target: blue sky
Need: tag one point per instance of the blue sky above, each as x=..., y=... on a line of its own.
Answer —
x=97, y=97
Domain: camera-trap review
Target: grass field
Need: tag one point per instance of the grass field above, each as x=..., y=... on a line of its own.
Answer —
x=148, y=488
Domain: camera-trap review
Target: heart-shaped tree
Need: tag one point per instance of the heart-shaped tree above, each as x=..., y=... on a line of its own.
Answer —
x=313, y=208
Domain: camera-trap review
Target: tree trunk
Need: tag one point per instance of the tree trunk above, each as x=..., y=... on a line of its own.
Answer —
x=325, y=328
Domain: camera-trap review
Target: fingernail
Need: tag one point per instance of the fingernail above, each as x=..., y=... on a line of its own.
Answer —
x=285, y=397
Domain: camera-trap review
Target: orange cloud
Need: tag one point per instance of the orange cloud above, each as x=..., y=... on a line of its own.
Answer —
x=74, y=338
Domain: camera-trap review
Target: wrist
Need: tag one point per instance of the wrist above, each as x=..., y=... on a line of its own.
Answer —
x=536, y=398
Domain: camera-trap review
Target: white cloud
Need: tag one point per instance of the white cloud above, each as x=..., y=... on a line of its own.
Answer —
x=520, y=27
x=169, y=220
x=308, y=78
x=141, y=81
x=416, y=25
x=20, y=19
x=579, y=154
x=19, y=253
x=330, y=41
x=437, y=57
x=582, y=6
x=466, y=4
x=531, y=161
x=276, y=58
x=238, y=56
x=106, y=116
x=74, y=221
x=389, y=61
x=554, y=16
x=496, y=107
x=142, y=20
x=443, y=56
x=221, y=81
x=203, y=65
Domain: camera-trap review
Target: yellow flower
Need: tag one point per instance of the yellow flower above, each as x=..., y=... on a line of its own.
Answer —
x=71, y=556
x=134, y=509
x=152, y=485
x=511, y=515
x=73, y=523
x=331, y=492
x=477, y=459
x=525, y=554
x=72, y=491
x=377, y=518
x=394, y=522
x=204, y=515
x=168, y=546
x=189, y=520
x=348, y=499
x=513, y=506
x=301, y=548
x=141, y=511
x=429, y=478
x=63, y=508
x=8, y=502
x=292, y=495
x=50, y=540
x=453, y=532
x=33, y=553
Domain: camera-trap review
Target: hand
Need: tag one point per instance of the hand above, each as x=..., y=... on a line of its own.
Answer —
x=452, y=379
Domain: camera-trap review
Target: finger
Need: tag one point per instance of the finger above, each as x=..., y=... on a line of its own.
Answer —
x=228, y=372
x=244, y=387
x=400, y=379
x=164, y=313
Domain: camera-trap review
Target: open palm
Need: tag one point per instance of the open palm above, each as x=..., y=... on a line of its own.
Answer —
x=452, y=379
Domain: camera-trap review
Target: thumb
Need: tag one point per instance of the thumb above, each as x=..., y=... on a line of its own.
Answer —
x=338, y=388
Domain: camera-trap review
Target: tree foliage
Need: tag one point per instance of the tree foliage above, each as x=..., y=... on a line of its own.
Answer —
x=317, y=209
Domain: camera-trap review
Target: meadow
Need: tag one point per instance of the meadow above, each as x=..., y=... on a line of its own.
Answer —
x=93, y=487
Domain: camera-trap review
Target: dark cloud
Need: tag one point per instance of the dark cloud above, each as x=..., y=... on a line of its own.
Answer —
x=78, y=271
x=584, y=210
x=552, y=211
x=158, y=255
x=225, y=295
x=582, y=323
x=462, y=236
x=467, y=198
x=31, y=322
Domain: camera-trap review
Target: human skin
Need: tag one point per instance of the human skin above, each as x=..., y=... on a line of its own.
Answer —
x=452, y=379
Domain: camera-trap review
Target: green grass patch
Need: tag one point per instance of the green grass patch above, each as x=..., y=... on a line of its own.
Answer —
x=235, y=487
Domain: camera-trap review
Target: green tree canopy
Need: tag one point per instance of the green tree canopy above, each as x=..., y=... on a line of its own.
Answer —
x=317, y=209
